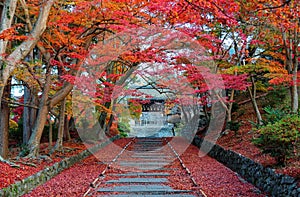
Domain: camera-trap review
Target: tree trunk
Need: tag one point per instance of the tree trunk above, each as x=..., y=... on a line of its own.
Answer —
x=4, y=123
x=102, y=119
x=291, y=53
x=67, y=135
x=62, y=119
x=35, y=138
x=223, y=103
x=294, y=94
x=229, y=110
x=71, y=123
x=26, y=116
x=109, y=124
x=59, y=142
x=292, y=69
x=7, y=15
x=50, y=133
x=33, y=112
x=257, y=112
x=295, y=99
x=252, y=93
x=185, y=115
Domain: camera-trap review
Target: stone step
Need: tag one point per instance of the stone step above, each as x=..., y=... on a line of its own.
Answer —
x=147, y=160
x=150, y=195
x=148, y=142
x=146, y=168
x=149, y=146
x=149, y=139
x=160, y=143
x=151, y=156
x=147, y=150
x=157, y=153
x=143, y=189
x=135, y=163
x=138, y=174
x=139, y=180
x=151, y=160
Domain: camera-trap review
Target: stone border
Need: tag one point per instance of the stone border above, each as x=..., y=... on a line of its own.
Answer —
x=24, y=186
x=264, y=178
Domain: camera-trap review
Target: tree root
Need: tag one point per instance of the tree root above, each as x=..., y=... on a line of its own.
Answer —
x=44, y=157
x=12, y=164
x=63, y=150
x=27, y=163
x=32, y=160
x=68, y=149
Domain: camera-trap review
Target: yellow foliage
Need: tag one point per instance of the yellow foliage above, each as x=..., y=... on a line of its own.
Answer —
x=261, y=66
x=13, y=125
x=21, y=72
x=261, y=87
x=224, y=65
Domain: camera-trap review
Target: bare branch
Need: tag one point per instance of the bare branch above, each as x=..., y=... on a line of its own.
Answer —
x=18, y=103
x=27, y=17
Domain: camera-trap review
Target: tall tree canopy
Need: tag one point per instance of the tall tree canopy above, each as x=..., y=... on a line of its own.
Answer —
x=45, y=45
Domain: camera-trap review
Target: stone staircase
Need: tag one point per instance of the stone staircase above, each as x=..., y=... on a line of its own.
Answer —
x=148, y=175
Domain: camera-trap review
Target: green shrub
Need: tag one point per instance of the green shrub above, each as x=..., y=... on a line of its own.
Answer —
x=281, y=138
x=124, y=129
x=273, y=114
x=277, y=98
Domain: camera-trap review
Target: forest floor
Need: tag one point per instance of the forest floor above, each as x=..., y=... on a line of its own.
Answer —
x=241, y=142
x=9, y=175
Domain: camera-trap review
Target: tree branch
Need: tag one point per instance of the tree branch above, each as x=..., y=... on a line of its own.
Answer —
x=18, y=103
x=274, y=7
x=33, y=75
x=23, y=49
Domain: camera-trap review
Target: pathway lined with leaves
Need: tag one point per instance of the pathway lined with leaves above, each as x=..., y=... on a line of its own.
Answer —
x=145, y=167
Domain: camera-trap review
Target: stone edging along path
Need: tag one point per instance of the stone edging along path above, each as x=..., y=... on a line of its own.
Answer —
x=262, y=177
x=24, y=186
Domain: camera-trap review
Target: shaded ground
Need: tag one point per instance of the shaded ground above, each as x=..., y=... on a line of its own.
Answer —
x=9, y=175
